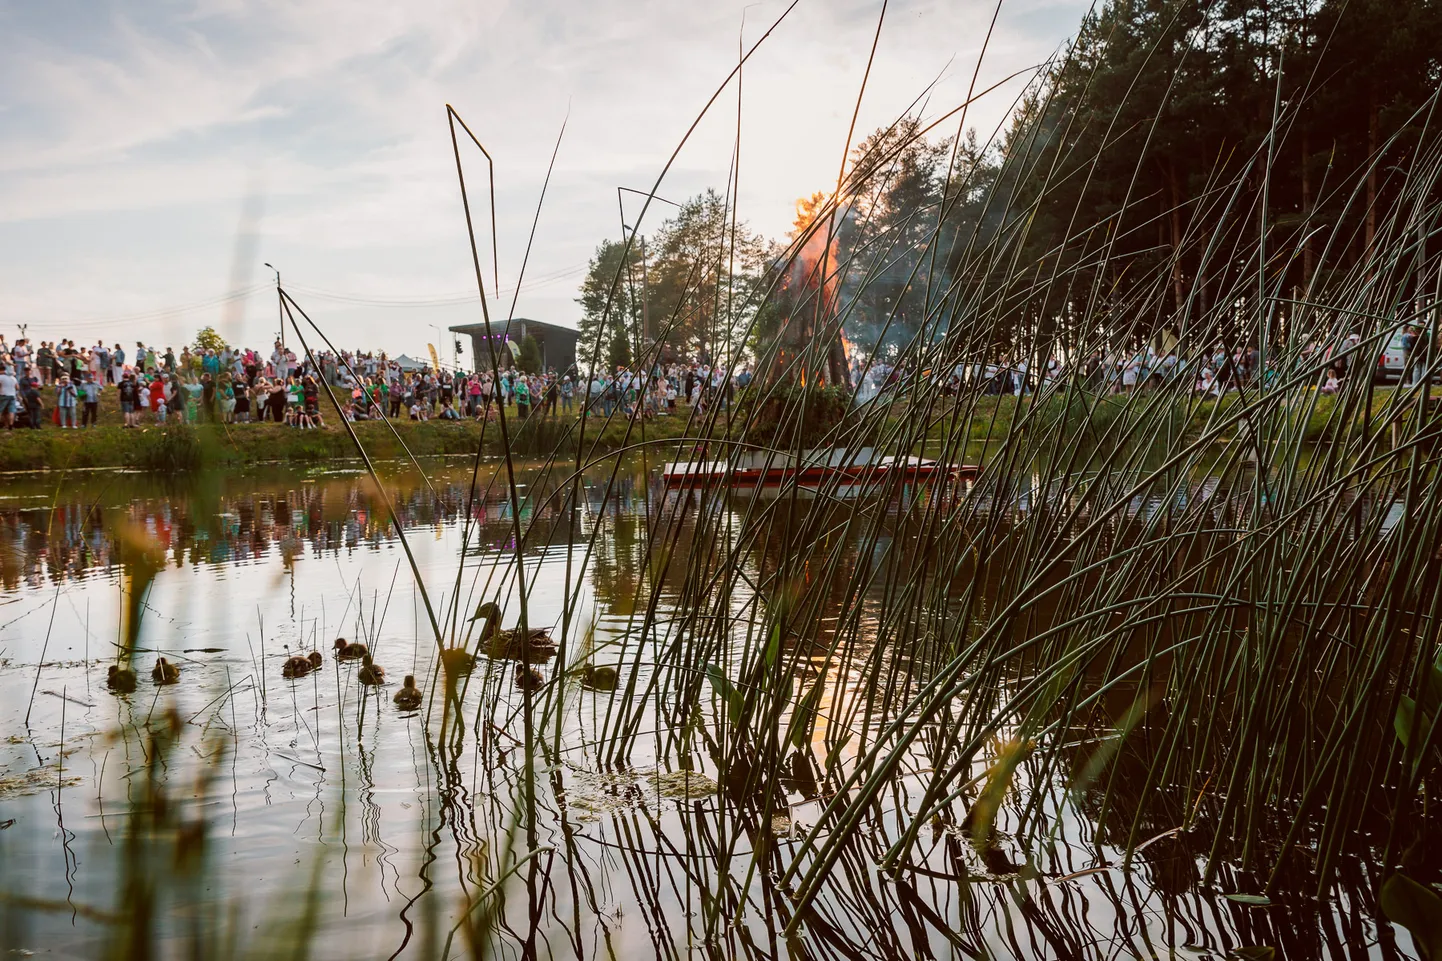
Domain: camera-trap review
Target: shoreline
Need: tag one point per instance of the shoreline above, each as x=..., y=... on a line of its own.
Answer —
x=191, y=446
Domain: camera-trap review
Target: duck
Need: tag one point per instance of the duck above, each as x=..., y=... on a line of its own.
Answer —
x=534, y=647
x=457, y=661
x=528, y=679
x=370, y=673
x=120, y=679
x=408, y=698
x=165, y=672
x=599, y=678
x=347, y=651
x=300, y=666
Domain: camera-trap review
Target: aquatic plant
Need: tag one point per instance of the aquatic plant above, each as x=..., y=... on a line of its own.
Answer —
x=1197, y=625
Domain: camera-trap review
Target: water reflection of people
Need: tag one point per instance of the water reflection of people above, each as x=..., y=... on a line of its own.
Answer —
x=73, y=538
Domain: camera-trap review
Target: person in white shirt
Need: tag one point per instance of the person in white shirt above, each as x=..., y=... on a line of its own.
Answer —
x=278, y=361
x=9, y=397
x=66, y=398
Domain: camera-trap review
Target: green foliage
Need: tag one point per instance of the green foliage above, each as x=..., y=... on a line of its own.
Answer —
x=1410, y=718
x=702, y=265
x=171, y=448
x=618, y=352
x=530, y=359
x=610, y=303
x=1417, y=909
x=790, y=416
x=208, y=339
x=734, y=700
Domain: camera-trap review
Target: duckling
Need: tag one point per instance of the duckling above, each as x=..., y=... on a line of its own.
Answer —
x=528, y=679
x=599, y=678
x=346, y=651
x=121, y=680
x=533, y=647
x=165, y=672
x=457, y=661
x=370, y=672
x=408, y=698
x=301, y=665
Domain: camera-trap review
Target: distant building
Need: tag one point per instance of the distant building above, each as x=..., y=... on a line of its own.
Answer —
x=557, y=343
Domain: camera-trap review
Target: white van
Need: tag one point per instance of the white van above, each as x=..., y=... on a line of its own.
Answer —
x=1390, y=361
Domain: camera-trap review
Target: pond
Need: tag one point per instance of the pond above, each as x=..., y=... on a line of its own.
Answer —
x=241, y=808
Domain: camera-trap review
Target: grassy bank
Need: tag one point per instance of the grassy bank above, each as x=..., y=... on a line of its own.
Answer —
x=1097, y=422
x=180, y=447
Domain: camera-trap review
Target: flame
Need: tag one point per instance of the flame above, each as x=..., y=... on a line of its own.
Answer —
x=846, y=345
x=814, y=267
x=806, y=211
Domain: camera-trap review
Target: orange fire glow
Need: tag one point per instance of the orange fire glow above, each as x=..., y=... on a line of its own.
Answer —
x=814, y=267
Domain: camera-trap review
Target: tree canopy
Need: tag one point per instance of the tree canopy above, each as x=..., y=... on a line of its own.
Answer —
x=1170, y=137
x=688, y=286
x=207, y=338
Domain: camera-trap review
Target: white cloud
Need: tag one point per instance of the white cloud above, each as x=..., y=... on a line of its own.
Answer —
x=131, y=136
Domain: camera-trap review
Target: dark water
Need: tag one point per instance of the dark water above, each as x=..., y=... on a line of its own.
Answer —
x=313, y=787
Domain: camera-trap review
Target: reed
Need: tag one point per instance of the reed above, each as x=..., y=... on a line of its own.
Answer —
x=1205, y=629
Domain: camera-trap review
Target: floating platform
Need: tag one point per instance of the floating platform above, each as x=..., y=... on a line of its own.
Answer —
x=830, y=473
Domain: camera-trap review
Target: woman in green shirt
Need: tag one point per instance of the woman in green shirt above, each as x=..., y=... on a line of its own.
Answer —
x=523, y=398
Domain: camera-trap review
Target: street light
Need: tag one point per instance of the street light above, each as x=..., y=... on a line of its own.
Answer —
x=641, y=239
x=439, y=340
x=279, y=305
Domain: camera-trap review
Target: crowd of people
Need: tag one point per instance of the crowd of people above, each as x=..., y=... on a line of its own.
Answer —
x=1158, y=363
x=448, y=395
x=63, y=382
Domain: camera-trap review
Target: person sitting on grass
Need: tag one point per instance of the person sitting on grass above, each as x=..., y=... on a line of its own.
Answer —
x=448, y=412
x=1333, y=383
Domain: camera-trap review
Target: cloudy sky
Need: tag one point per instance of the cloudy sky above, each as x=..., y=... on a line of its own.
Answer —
x=153, y=155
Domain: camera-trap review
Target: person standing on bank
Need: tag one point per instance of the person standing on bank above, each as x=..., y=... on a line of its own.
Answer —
x=90, y=393
x=65, y=402
x=9, y=397
x=522, y=394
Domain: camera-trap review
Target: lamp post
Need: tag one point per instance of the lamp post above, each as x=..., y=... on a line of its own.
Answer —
x=279, y=305
x=439, y=342
x=641, y=240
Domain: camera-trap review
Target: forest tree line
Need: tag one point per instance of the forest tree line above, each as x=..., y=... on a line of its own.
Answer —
x=1132, y=186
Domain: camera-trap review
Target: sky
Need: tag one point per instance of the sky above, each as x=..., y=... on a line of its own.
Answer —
x=153, y=156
